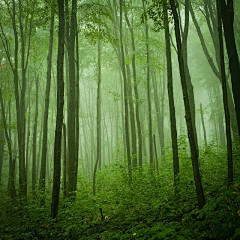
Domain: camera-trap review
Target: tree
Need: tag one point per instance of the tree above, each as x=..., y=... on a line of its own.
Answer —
x=191, y=135
x=46, y=108
x=59, y=119
x=71, y=123
x=150, y=136
x=23, y=33
x=171, y=100
x=34, y=155
x=99, y=122
x=225, y=97
x=139, y=130
x=11, y=181
x=227, y=15
x=126, y=114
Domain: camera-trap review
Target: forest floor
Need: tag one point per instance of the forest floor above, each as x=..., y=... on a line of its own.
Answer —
x=145, y=209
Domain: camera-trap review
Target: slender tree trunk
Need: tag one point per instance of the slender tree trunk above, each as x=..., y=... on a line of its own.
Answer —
x=171, y=103
x=227, y=15
x=126, y=116
x=186, y=69
x=59, y=119
x=131, y=114
x=136, y=94
x=34, y=156
x=203, y=125
x=160, y=125
x=190, y=128
x=77, y=107
x=64, y=161
x=225, y=98
x=149, y=96
x=21, y=140
x=2, y=141
x=99, y=122
x=155, y=149
x=42, y=181
x=11, y=181
x=72, y=101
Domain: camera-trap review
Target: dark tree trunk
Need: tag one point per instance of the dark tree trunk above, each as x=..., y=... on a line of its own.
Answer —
x=131, y=114
x=99, y=122
x=136, y=94
x=190, y=128
x=42, y=177
x=150, y=136
x=160, y=114
x=64, y=161
x=1, y=152
x=34, y=154
x=203, y=125
x=59, y=119
x=171, y=103
x=224, y=88
x=126, y=114
x=156, y=157
x=11, y=182
x=227, y=15
x=186, y=68
x=71, y=124
x=77, y=107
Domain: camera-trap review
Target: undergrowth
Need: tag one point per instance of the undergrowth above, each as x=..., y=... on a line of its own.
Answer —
x=145, y=208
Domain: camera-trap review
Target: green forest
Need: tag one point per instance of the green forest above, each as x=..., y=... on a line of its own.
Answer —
x=120, y=119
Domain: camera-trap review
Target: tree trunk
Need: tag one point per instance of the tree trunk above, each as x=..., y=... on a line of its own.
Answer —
x=171, y=104
x=136, y=94
x=190, y=128
x=149, y=95
x=64, y=161
x=59, y=119
x=203, y=125
x=34, y=156
x=224, y=89
x=186, y=69
x=99, y=122
x=42, y=181
x=71, y=107
x=2, y=142
x=227, y=15
x=160, y=114
x=131, y=114
x=77, y=107
x=126, y=116
x=11, y=181
x=156, y=157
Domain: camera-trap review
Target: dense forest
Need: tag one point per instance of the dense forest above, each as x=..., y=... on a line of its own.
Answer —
x=119, y=119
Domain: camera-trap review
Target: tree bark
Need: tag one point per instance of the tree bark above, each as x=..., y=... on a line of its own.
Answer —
x=34, y=154
x=150, y=136
x=99, y=122
x=190, y=128
x=71, y=123
x=126, y=116
x=171, y=103
x=203, y=125
x=59, y=119
x=224, y=89
x=227, y=15
x=11, y=181
x=137, y=103
x=42, y=181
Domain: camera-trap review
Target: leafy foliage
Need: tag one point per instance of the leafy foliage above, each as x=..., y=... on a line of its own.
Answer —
x=146, y=209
